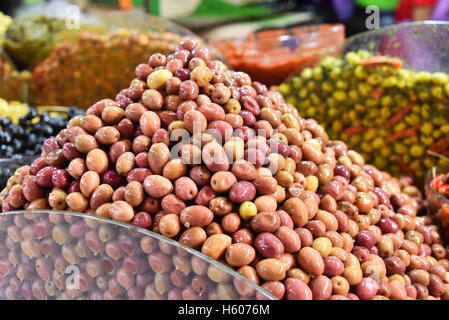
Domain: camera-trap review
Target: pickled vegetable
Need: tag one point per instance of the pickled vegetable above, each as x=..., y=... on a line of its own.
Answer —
x=100, y=66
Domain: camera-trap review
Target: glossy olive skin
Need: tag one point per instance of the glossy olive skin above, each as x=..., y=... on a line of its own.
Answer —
x=205, y=156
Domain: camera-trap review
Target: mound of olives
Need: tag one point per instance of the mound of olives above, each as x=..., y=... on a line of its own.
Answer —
x=206, y=156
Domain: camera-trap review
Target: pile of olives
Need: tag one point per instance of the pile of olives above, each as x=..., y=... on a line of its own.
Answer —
x=251, y=184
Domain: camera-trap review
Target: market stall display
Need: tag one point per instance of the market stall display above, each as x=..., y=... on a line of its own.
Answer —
x=271, y=56
x=113, y=260
x=390, y=113
x=256, y=187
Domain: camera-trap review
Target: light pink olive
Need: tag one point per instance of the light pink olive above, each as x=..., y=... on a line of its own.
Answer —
x=172, y=204
x=149, y=123
x=286, y=220
x=222, y=181
x=195, y=121
x=311, y=261
x=212, y=111
x=196, y=216
x=296, y=289
x=142, y=160
x=366, y=289
x=214, y=157
x=157, y=186
x=333, y=266
x=121, y=211
x=138, y=174
x=220, y=129
x=240, y=254
x=204, y=196
x=185, y=188
x=289, y=238
x=321, y=288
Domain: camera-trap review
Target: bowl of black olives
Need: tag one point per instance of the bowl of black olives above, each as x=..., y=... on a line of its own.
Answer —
x=21, y=141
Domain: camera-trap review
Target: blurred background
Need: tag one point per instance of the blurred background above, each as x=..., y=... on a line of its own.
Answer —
x=211, y=18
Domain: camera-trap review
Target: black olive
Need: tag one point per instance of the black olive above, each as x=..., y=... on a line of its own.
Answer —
x=29, y=152
x=58, y=122
x=37, y=128
x=31, y=114
x=38, y=149
x=32, y=139
x=44, y=117
x=8, y=151
x=24, y=122
x=47, y=130
x=5, y=137
x=17, y=145
x=5, y=122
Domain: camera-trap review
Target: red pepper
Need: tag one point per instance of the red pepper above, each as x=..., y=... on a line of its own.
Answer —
x=354, y=130
x=381, y=60
x=437, y=183
x=441, y=145
x=443, y=189
x=400, y=114
x=376, y=93
x=406, y=133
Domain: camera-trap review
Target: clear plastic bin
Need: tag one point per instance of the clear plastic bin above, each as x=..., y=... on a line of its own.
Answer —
x=393, y=111
x=61, y=255
x=422, y=46
x=438, y=205
x=273, y=55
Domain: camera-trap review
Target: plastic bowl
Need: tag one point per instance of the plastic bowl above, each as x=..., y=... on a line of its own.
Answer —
x=393, y=118
x=48, y=255
x=438, y=205
x=273, y=55
x=422, y=46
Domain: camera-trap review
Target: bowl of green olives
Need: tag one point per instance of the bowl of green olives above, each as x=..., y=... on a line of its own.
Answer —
x=386, y=96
